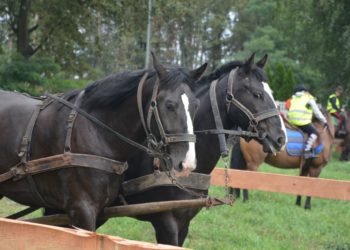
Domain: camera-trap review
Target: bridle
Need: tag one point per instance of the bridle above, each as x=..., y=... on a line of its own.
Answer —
x=254, y=119
x=165, y=139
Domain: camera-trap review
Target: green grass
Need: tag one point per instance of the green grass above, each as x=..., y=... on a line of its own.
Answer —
x=266, y=221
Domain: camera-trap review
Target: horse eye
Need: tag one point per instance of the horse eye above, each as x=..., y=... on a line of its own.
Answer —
x=171, y=106
x=258, y=95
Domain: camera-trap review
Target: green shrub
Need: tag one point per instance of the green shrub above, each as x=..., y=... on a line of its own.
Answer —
x=34, y=76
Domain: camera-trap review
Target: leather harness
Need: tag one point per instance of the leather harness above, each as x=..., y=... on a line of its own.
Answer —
x=156, y=148
x=27, y=167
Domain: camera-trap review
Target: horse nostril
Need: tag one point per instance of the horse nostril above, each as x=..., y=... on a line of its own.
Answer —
x=181, y=166
x=281, y=141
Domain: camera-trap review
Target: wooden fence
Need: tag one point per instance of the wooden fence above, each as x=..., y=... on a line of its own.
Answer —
x=19, y=235
x=29, y=236
x=316, y=187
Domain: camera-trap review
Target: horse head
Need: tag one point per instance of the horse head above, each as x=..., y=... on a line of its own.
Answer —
x=253, y=106
x=177, y=106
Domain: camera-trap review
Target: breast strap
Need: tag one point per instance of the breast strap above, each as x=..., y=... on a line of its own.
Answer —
x=158, y=179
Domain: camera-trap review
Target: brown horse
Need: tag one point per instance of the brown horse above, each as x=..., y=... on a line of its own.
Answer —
x=249, y=156
x=344, y=140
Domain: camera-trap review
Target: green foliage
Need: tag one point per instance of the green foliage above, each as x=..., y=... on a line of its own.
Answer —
x=34, y=75
x=281, y=80
x=94, y=38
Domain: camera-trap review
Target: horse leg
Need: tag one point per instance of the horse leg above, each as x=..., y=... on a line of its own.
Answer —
x=166, y=229
x=346, y=149
x=236, y=192
x=183, y=234
x=245, y=195
x=303, y=172
x=298, y=201
x=314, y=172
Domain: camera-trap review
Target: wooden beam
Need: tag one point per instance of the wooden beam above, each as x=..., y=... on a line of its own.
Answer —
x=16, y=234
x=315, y=187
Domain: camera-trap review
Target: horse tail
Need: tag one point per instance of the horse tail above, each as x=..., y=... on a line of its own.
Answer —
x=237, y=159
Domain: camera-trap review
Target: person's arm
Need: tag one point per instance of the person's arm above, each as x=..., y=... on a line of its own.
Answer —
x=317, y=111
x=333, y=101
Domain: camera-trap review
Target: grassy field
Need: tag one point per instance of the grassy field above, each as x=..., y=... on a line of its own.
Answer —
x=267, y=221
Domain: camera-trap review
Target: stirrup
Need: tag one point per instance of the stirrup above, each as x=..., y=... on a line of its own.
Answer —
x=341, y=132
x=309, y=154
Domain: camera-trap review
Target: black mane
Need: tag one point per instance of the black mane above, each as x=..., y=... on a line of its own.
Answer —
x=115, y=88
x=205, y=82
x=179, y=75
x=217, y=74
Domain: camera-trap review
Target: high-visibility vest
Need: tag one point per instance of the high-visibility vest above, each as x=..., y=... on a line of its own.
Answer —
x=300, y=113
x=329, y=104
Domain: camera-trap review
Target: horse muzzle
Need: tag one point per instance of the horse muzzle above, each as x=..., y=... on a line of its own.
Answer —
x=273, y=146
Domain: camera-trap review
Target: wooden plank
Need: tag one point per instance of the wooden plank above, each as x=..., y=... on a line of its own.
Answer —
x=316, y=187
x=29, y=236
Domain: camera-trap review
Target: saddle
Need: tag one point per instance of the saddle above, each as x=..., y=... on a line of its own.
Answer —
x=296, y=144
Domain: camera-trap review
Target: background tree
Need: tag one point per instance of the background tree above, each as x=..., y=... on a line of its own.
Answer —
x=88, y=39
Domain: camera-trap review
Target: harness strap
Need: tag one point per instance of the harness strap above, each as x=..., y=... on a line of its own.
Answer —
x=228, y=132
x=157, y=179
x=218, y=122
x=26, y=140
x=25, y=151
x=103, y=125
x=66, y=160
x=34, y=188
x=139, y=102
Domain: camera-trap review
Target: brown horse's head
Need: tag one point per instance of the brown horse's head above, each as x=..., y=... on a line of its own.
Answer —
x=259, y=112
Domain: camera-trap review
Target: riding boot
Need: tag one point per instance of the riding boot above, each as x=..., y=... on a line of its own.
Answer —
x=308, y=151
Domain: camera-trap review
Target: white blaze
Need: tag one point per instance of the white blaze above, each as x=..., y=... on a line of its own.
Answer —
x=269, y=92
x=190, y=159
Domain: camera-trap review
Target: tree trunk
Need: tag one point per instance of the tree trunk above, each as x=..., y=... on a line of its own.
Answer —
x=22, y=32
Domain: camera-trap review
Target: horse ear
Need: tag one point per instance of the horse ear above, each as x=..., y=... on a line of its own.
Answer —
x=249, y=64
x=196, y=74
x=161, y=71
x=261, y=63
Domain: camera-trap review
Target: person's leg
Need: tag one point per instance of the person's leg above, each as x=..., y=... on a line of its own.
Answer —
x=312, y=133
x=340, y=119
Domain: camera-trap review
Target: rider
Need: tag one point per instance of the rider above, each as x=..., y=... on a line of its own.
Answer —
x=334, y=108
x=302, y=107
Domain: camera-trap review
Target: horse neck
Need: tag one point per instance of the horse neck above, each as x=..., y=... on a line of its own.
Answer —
x=124, y=119
x=207, y=146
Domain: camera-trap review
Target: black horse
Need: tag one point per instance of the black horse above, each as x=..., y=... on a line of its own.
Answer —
x=250, y=88
x=83, y=192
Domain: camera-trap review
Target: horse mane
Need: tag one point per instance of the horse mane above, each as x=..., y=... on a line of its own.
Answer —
x=115, y=88
x=222, y=71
